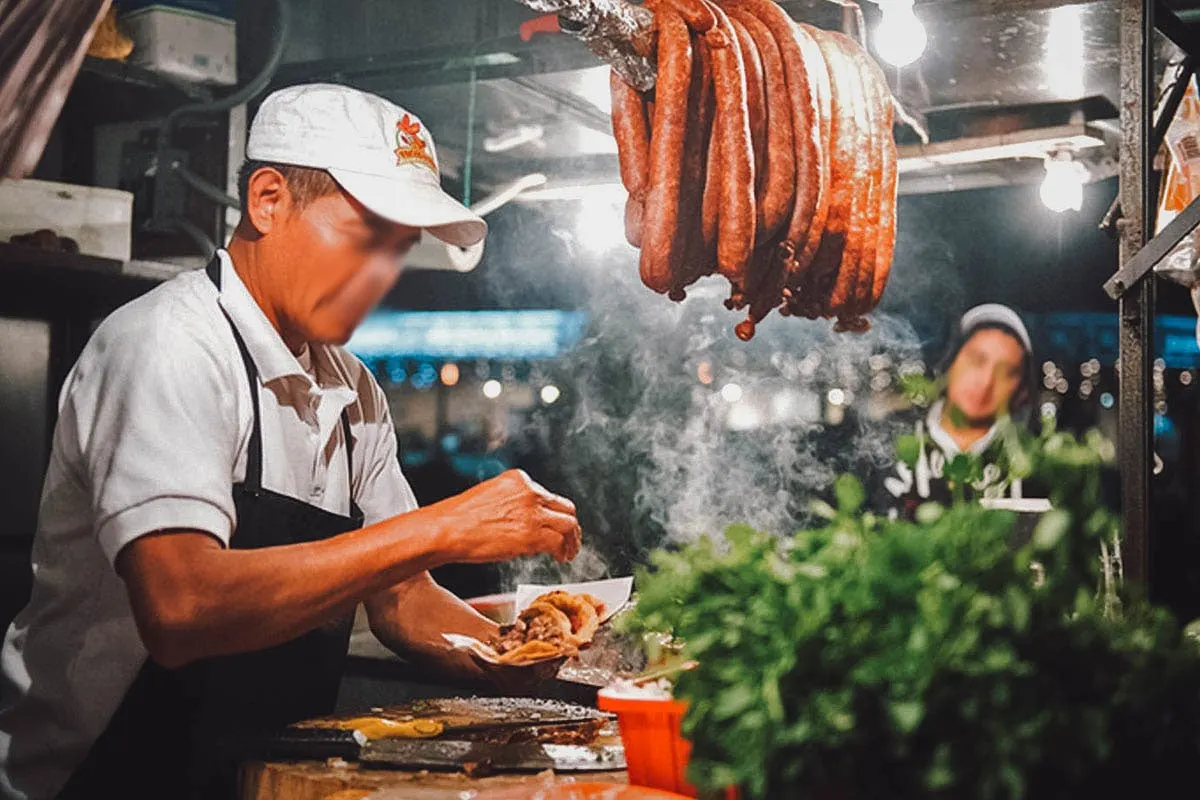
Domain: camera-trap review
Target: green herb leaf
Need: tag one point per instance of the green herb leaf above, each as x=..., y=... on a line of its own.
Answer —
x=1051, y=528
x=907, y=715
x=908, y=449
x=733, y=701
x=929, y=513
x=850, y=494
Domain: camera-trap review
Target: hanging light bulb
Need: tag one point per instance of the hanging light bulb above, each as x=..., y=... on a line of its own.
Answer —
x=1063, y=187
x=900, y=38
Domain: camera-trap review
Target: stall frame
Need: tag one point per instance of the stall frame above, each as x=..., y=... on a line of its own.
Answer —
x=1132, y=285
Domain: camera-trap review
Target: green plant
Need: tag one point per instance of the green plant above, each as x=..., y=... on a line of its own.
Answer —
x=893, y=659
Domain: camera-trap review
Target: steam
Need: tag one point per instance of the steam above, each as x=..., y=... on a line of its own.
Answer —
x=653, y=455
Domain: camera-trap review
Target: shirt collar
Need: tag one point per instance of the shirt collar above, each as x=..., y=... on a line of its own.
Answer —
x=270, y=355
x=943, y=439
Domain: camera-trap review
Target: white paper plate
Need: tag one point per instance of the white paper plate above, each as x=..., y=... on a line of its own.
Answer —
x=615, y=593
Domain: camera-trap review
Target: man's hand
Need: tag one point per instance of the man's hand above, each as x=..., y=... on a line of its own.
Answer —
x=411, y=617
x=518, y=681
x=508, y=517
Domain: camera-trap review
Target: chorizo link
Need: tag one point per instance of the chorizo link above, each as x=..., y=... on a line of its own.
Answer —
x=696, y=13
x=631, y=129
x=766, y=295
x=698, y=258
x=806, y=81
x=842, y=293
x=736, y=217
x=887, y=210
x=756, y=101
x=814, y=295
x=660, y=243
x=777, y=180
x=806, y=231
x=635, y=211
x=711, y=200
x=878, y=96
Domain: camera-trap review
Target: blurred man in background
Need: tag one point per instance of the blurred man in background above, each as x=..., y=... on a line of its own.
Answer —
x=987, y=380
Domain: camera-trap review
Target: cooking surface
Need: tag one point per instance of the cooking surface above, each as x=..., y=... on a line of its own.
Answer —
x=477, y=758
x=464, y=714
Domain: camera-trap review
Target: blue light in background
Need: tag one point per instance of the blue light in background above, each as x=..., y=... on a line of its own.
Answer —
x=425, y=376
x=1163, y=426
x=461, y=335
x=1070, y=335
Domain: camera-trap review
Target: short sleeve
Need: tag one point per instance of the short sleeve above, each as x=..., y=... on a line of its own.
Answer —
x=383, y=491
x=155, y=410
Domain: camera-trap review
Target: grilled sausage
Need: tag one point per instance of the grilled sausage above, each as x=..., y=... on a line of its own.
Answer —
x=661, y=250
x=631, y=129
x=736, y=216
x=777, y=179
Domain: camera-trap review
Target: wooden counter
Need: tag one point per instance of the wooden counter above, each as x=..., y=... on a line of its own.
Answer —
x=317, y=780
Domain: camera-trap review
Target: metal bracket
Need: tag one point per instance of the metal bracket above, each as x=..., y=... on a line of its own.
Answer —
x=1155, y=251
x=1157, y=248
x=1162, y=122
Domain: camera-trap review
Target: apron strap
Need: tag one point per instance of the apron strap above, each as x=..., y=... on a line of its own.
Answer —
x=254, y=458
x=354, y=510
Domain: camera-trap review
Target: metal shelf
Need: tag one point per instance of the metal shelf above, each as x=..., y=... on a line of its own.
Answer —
x=40, y=280
x=120, y=72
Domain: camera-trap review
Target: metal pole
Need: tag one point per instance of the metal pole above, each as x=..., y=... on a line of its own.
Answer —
x=1135, y=445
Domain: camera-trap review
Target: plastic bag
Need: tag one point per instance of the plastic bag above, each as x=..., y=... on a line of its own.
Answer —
x=1182, y=185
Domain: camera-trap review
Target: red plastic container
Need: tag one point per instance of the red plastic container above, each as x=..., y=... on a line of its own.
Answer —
x=580, y=791
x=655, y=751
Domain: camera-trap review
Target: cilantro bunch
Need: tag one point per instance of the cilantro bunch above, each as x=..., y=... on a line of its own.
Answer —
x=872, y=658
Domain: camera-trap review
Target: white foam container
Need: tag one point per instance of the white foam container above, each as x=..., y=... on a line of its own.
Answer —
x=185, y=44
x=99, y=219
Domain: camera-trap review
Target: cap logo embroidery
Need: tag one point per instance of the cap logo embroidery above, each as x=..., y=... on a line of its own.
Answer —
x=410, y=145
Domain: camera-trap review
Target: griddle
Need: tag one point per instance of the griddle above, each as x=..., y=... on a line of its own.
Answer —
x=478, y=758
x=480, y=727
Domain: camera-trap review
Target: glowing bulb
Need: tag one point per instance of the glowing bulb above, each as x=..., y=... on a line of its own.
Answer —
x=492, y=389
x=731, y=392
x=1063, y=187
x=450, y=374
x=550, y=393
x=900, y=38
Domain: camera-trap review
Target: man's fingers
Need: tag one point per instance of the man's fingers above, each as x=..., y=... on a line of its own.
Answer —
x=547, y=497
x=559, y=503
x=554, y=501
x=566, y=534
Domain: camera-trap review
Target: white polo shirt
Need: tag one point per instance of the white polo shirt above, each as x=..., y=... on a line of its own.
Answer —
x=154, y=422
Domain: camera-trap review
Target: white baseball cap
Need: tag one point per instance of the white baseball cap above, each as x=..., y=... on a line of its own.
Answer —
x=996, y=314
x=379, y=153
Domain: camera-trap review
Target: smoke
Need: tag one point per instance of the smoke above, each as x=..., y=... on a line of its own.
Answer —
x=669, y=427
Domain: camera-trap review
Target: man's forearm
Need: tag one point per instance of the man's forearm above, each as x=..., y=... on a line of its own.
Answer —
x=192, y=599
x=411, y=617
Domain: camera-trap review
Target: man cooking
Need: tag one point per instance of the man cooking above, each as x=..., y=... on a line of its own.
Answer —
x=988, y=379
x=223, y=488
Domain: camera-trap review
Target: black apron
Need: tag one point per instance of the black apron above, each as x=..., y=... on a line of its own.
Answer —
x=174, y=734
